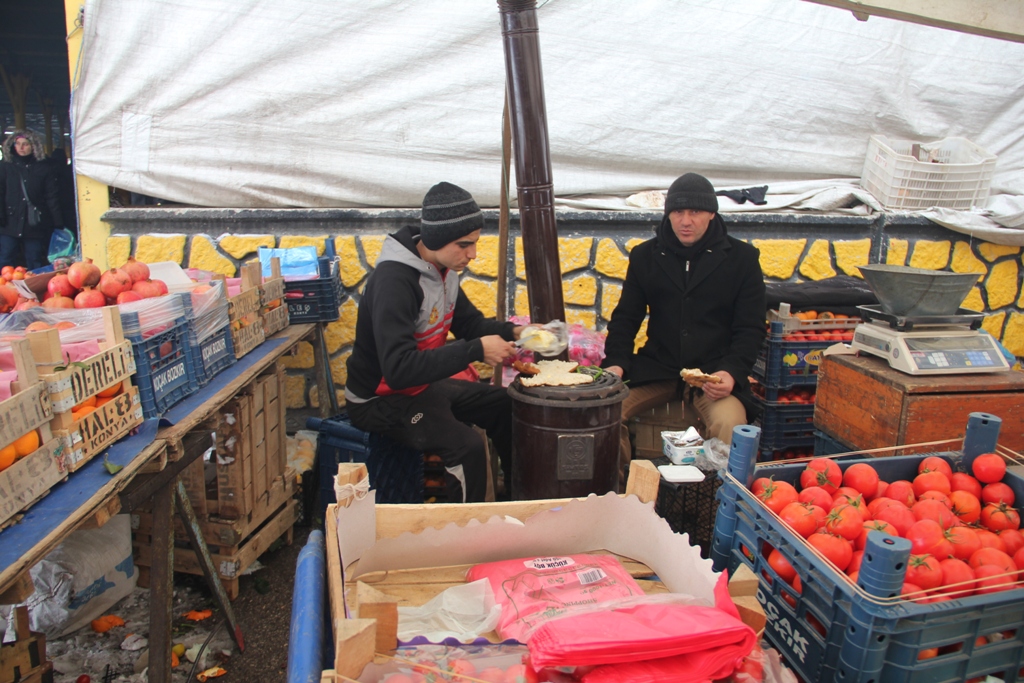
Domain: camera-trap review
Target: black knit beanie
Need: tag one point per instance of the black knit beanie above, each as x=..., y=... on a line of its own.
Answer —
x=691, y=191
x=449, y=212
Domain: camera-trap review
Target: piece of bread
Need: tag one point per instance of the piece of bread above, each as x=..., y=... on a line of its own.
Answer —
x=556, y=373
x=697, y=378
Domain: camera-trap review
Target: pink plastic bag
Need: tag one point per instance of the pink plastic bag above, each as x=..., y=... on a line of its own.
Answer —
x=531, y=590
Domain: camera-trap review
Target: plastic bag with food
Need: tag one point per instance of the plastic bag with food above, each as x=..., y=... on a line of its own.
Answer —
x=547, y=340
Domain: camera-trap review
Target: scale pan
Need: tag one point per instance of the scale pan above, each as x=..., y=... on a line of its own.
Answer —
x=906, y=291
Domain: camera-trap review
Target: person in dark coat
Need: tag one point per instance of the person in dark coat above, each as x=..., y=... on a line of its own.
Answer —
x=705, y=294
x=26, y=177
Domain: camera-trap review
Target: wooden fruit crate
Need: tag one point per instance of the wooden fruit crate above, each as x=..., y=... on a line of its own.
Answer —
x=86, y=437
x=231, y=561
x=275, y=319
x=249, y=335
x=272, y=289
x=71, y=384
x=31, y=476
x=249, y=300
x=24, y=659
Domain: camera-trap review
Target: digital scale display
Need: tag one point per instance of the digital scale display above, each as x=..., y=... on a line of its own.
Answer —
x=975, y=343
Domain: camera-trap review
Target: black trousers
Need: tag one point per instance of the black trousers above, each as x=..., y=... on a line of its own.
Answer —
x=435, y=421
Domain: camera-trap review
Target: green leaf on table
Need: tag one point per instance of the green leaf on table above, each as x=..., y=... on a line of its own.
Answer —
x=111, y=467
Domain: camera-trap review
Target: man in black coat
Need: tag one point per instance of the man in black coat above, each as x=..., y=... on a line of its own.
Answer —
x=705, y=295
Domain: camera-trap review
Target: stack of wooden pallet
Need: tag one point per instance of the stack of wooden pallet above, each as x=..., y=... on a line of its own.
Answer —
x=241, y=491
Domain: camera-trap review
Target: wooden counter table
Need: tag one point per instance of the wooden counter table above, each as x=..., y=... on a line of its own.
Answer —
x=864, y=403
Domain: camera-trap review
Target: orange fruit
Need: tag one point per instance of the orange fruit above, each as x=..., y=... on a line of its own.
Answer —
x=110, y=391
x=91, y=401
x=7, y=457
x=79, y=414
x=26, y=443
x=65, y=325
x=100, y=402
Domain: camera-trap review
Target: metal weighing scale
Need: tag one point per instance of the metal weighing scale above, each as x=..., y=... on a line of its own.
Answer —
x=919, y=327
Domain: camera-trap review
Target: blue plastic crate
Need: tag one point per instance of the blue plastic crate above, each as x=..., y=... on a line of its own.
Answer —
x=165, y=371
x=782, y=364
x=396, y=471
x=785, y=425
x=213, y=354
x=826, y=445
x=311, y=301
x=835, y=631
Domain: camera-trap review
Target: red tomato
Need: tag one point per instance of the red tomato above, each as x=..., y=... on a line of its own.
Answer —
x=1018, y=559
x=881, y=503
x=845, y=521
x=873, y=525
x=815, y=495
x=990, y=539
x=897, y=515
x=861, y=477
x=997, y=493
x=994, y=557
x=759, y=485
x=782, y=567
x=777, y=495
x=992, y=579
x=924, y=570
x=883, y=486
x=854, y=566
x=939, y=496
x=1013, y=540
x=801, y=517
x=965, y=506
x=927, y=538
x=934, y=463
x=822, y=472
x=836, y=549
x=931, y=481
x=965, y=542
x=911, y=591
x=958, y=577
x=933, y=509
x=988, y=468
x=961, y=481
x=997, y=517
x=928, y=653
x=901, y=491
x=856, y=502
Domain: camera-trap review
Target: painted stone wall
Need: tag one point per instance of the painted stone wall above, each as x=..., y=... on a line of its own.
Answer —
x=594, y=266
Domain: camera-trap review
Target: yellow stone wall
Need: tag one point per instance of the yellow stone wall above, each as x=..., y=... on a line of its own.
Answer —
x=593, y=271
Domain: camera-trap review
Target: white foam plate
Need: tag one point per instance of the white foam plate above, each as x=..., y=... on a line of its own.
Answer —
x=681, y=474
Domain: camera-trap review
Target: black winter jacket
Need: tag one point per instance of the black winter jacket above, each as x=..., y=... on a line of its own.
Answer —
x=41, y=184
x=716, y=321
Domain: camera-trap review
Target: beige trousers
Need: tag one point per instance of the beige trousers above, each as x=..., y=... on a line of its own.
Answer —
x=720, y=416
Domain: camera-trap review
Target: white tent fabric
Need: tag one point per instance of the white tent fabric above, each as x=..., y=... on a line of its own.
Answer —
x=338, y=103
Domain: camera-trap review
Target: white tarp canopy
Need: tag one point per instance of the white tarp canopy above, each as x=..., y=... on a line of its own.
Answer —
x=338, y=103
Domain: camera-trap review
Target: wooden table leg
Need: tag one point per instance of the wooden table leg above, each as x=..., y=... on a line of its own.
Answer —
x=195, y=536
x=322, y=369
x=161, y=590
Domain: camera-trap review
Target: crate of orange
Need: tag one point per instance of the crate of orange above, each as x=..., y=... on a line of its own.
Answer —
x=31, y=457
x=902, y=568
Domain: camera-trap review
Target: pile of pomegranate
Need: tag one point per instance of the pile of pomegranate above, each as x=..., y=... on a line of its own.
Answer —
x=85, y=286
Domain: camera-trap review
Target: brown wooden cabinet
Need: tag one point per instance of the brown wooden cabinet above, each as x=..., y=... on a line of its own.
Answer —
x=864, y=403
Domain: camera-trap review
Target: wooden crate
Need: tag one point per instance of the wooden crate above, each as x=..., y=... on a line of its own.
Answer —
x=249, y=333
x=92, y=434
x=674, y=416
x=275, y=319
x=217, y=531
x=863, y=402
x=231, y=561
x=71, y=384
x=30, y=477
x=272, y=289
x=24, y=659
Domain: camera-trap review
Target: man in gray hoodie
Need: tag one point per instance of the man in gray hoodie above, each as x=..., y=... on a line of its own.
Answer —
x=400, y=371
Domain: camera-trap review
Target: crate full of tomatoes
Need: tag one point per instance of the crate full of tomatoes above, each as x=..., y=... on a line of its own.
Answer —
x=903, y=568
x=791, y=358
x=787, y=417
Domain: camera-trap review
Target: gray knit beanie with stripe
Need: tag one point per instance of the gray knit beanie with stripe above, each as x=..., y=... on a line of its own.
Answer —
x=449, y=212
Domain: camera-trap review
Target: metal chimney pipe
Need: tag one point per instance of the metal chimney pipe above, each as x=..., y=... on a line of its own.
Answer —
x=525, y=85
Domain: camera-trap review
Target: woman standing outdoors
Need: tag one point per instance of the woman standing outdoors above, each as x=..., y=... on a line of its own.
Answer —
x=29, y=205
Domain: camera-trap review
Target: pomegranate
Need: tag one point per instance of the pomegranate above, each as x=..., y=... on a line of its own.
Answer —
x=37, y=326
x=26, y=304
x=162, y=285
x=115, y=281
x=128, y=297
x=59, y=301
x=59, y=284
x=147, y=289
x=90, y=298
x=84, y=274
x=8, y=298
x=137, y=270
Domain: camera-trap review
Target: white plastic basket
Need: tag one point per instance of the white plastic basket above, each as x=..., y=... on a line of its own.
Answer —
x=955, y=173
